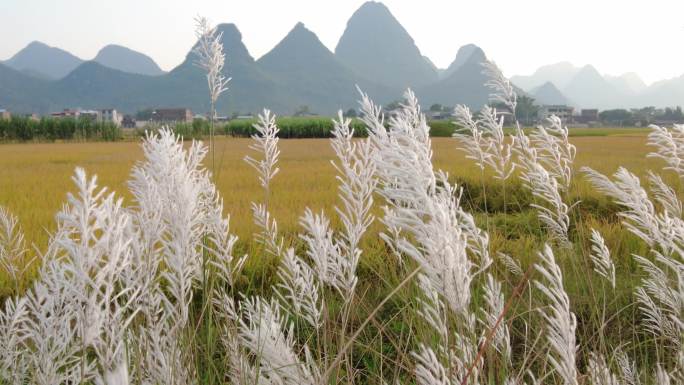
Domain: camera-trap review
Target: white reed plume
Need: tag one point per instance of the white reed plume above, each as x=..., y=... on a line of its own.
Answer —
x=185, y=205
x=494, y=300
x=356, y=175
x=54, y=354
x=511, y=264
x=500, y=152
x=473, y=141
x=94, y=243
x=661, y=298
x=432, y=308
x=331, y=265
x=265, y=332
x=665, y=195
x=560, y=321
x=164, y=359
x=240, y=369
x=669, y=144
x=429, y=369
x=628, y=371
x=640, y=215
x=484, y=140
x=268, y=236
x=210, y=58
x=478, y=239
x=600, y=256
x=554, y=214
x=12, y=244
x=426, y=223
x=420, y=206
x=221, y=245
x=598, y=371
x=502, y=89
x=554, y=150
x=300, y=289
x=455, y=351
x=13, y=360
x=266, y=145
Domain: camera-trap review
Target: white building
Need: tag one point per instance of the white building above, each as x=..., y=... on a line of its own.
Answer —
x=562, y=111
x=111, y=115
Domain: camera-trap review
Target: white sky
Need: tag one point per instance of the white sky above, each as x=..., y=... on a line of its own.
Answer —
x=646, y=37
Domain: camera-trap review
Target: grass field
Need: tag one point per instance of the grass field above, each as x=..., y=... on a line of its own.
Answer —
x=35, y=178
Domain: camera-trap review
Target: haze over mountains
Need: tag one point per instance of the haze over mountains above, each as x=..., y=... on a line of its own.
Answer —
x=586, y=87
x=374, y=52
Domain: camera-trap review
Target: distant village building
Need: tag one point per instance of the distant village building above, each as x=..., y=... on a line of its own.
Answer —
x=562, y=111
x=110, y=115
x=172, y=115
x=439, y=115
x=5, y=115
x=128, y=122
x=588, y=115
x=92, y=115
x=66, y=113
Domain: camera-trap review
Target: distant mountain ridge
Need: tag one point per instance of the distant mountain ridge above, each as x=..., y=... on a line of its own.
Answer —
x=548, y=93
x=40, y=60
x=376, y=46
x=464, y=85
x=126, y=60
x=375, y=52
x=585, y=87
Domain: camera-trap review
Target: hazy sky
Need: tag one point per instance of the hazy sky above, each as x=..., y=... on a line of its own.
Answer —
x=646, y=37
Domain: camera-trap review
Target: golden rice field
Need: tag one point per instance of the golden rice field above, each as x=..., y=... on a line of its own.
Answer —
x=35, y=178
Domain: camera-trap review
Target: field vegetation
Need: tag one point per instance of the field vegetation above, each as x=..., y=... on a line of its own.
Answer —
x=23, y=129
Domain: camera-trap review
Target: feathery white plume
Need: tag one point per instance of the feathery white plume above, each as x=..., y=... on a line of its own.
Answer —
x=554, y=150
x=640, y=215
x=210, y=57
x=665, y=195
x=554, y=213
x=299, y=288
x=13, y=360
x=669, y=144
x=494, y=300
x=598, y=371
x=12, y=245
x=560, y=321
x=502, y=89
x=266, y=334
x=484, y=141
x=266, y=145
x=356, y=175
x=331, y=266
x=600, y=256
